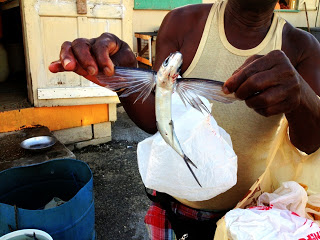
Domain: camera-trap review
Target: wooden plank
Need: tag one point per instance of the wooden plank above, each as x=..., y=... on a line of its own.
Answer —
x=33, y=46
x=77, y=101
x=139, y=44
x=150, y=50
x=141, y=52
x=55, y=118
x=145, y=37
x=82, y=6
x=82, y=92
x=163, y=4
x=69, y=9
x=144, y=60
x=31, y=92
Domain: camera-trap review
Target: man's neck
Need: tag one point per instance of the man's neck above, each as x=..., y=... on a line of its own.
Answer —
x=247, y=26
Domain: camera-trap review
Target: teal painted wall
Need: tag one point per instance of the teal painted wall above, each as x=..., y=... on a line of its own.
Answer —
x=162, y=4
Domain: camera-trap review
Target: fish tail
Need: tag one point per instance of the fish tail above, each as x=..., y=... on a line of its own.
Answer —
x=187, y=161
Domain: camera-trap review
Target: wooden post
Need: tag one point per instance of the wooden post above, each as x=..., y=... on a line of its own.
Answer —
x=82, y=6
x=305, y=8
x=150, y=50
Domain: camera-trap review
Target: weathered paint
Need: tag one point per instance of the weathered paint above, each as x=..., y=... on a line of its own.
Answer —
x=55, y=118
x=162, y=5
x=48, y=24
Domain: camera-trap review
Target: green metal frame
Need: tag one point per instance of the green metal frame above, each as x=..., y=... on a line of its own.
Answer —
x=163, y=4
x=287, y=10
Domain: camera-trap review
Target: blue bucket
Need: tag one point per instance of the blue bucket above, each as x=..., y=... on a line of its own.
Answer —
x=24, y=191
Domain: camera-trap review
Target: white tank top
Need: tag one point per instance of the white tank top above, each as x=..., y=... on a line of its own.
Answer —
x=251, y=133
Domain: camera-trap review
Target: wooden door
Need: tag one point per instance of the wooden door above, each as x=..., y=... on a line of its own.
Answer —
x=47, y=24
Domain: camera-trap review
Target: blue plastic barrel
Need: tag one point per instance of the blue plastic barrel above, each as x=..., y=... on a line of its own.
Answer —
x=24, y=191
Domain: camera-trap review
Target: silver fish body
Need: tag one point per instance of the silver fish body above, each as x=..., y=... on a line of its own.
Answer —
x=165, y=82
x=166, y=78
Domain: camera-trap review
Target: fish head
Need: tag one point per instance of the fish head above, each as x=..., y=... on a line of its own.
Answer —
x=170, y=69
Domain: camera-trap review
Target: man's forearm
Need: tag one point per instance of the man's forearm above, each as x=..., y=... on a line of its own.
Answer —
x=142, y=114
x=304, y=122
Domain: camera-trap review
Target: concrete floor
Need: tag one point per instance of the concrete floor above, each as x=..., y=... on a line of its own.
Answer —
x=13, y=93
x=120, y=200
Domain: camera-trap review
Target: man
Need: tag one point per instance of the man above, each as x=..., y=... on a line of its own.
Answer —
x=270, y=65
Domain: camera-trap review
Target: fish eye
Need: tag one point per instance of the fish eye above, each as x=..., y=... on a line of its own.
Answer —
x=165, y=63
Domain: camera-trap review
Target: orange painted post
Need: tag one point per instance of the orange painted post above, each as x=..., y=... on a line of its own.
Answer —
x=55, y=118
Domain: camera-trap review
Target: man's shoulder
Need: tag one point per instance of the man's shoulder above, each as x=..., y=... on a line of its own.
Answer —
x=189, y=13
x=192, y=9
x=181, y=30
x=303, y=36
x=299, y=42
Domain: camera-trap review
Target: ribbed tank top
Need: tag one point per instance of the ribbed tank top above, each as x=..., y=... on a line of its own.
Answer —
x=251, y=133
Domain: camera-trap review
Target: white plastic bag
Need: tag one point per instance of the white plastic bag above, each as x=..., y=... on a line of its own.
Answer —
x=290, y=196
x=204, y=142
x=279, y=215
x=267, y=223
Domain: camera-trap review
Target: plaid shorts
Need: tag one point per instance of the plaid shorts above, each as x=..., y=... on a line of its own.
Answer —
x=159, y=226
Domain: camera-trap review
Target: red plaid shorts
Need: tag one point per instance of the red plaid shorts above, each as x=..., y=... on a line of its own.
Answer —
x=159, y=226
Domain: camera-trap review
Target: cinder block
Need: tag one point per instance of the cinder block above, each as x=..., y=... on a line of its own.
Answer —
x=102, y=130
x=112, y=112
x=97, y=141
x=73, y=135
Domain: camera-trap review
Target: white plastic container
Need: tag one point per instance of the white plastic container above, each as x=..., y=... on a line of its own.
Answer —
x=25, y=233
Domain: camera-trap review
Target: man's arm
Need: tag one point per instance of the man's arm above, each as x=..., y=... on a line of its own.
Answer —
x=271, y=85
x=180, y=30
x=86, y=57
x=304, y=121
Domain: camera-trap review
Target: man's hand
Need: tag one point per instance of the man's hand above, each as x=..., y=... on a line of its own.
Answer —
x=87, y=57
x=269, y=84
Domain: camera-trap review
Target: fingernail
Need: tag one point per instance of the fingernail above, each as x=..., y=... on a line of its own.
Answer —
x=91, y=70
x=107, y=71
x=225, y=90
x=66, y=62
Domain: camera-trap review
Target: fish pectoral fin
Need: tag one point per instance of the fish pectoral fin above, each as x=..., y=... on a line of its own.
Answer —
x=133, y=80
x=189, y=90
